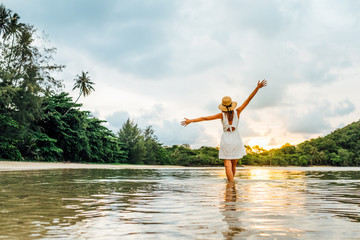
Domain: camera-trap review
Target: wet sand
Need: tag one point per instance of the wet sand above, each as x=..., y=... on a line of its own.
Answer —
x=20, y=166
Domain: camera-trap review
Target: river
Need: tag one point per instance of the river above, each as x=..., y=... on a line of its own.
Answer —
x=181, y=203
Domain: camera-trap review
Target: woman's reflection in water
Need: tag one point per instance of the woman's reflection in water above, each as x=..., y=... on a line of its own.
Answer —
x=230, y=210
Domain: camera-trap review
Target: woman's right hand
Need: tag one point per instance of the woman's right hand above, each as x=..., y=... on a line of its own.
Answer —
x=185, y=122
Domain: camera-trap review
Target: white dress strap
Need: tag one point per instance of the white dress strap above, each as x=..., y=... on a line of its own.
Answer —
x=227, y=127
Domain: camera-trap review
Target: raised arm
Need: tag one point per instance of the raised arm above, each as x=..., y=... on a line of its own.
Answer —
x=259, y=85
x=200, y=119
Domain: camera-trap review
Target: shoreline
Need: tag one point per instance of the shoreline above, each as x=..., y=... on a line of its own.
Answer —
x=6, y=165
x=23, y=166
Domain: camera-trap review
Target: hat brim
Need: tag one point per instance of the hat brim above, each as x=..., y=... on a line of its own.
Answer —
x=224, y=109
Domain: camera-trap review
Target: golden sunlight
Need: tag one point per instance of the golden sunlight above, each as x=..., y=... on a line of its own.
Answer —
x=262, y=142
x=260, y=173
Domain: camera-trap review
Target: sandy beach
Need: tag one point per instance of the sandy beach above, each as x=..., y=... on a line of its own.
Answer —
x=20, y=166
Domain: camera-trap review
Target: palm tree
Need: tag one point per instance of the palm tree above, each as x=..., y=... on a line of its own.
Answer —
x=23, y=50
x=83, y=83
x=9, y=23
x=10, y=29
x=4, y=20
x=13, y=27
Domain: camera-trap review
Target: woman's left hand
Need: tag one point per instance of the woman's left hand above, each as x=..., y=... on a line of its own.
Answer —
x=261, y=84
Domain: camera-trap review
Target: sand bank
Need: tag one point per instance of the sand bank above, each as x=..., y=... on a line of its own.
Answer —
x=19, y=166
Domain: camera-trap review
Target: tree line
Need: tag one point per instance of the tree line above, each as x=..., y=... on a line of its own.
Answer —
x=40, y=122
x=339, y=148
x=36, y=122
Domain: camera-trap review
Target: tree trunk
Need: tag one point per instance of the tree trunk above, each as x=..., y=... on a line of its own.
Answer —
x=74, y=104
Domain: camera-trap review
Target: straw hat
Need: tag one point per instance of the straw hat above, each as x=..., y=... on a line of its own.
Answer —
x=227, y=104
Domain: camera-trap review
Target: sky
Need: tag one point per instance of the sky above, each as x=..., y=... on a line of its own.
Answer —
x=157, y=62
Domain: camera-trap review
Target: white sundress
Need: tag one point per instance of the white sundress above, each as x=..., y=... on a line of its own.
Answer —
x=231, y=145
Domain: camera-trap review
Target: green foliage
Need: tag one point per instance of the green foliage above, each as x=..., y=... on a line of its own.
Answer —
x=37, y=124
x=84, y=84
x=288, y=149
x=46, y=149
x=209, y=156
x=153, y=153
x=25, y=76
x=81, y=137
x=185, y=156
x=31, y=116
x=340, y=148
x=9, y=127
x=104, y=146
x=130, y=134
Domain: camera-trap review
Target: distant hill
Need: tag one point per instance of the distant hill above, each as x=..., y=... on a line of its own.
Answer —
x=339, y=148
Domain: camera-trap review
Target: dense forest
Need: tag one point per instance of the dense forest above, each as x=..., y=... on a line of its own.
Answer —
x=40, y=122
x=339, y=148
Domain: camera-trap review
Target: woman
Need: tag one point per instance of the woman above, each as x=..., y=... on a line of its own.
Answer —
x=231, y=145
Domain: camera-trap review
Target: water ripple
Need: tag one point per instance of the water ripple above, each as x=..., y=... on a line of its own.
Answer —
x=188, y=203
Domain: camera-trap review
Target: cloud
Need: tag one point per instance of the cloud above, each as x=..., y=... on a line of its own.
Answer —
x=169, y=131
x=171, y=59
x=311, y=122
x=343, y=108
x=117, y=120
x=246, y=15
x=246, y=130
x=273, y=142
x=316, y=118
x=132, y=36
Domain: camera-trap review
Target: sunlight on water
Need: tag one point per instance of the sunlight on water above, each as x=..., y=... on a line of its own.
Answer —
x=181, y=203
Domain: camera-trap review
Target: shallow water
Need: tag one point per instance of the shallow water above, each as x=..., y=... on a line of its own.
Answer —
x=181, y=203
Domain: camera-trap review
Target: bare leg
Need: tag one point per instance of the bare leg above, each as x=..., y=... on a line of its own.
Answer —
x=233, y=168
x=228, y=170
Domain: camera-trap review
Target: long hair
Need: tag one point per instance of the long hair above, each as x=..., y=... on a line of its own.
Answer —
x=230, y=115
